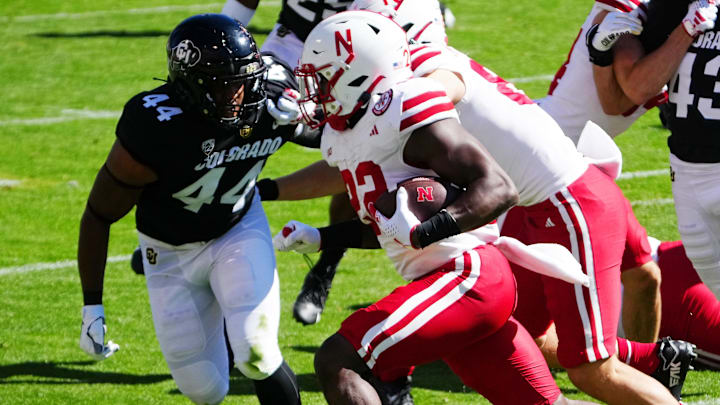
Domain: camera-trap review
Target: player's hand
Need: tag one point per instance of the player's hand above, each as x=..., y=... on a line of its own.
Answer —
x=298, y=237
x=616, y=24
x=92, y=333
x=700, y=17
x=401, y=225
x=285, y=110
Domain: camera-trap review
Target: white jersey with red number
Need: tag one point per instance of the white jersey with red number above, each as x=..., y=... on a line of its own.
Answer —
x=572, y=99
x=370, y=158
x=520, y=136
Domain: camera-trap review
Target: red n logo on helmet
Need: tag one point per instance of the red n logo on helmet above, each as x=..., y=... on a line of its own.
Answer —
x=346, y=43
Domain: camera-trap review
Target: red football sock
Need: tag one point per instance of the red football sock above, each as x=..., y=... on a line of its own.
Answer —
x=642, y=356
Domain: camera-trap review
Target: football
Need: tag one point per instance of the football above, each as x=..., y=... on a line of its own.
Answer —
x=426, y=196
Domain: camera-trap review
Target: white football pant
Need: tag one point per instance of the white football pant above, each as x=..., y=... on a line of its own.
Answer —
x=696, y=190
x=193, y=287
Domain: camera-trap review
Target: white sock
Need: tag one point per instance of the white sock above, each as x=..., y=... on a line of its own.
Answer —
x=238, y=11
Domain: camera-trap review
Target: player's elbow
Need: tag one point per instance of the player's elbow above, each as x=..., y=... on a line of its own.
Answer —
x=508, y=195
x=612, y=107
x=642, y=280
x=639, y=95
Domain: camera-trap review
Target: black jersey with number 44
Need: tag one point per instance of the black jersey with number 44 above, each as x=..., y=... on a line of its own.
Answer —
x=694, y=91
x=206, y=175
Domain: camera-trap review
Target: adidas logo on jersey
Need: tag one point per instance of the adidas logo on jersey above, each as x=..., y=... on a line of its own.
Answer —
x=549, y=223
x=374, y=131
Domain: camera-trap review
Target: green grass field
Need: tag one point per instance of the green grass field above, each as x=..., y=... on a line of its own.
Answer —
x=67, y=68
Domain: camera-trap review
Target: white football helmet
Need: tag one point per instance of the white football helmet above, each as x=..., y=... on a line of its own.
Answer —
x=345, y=59
x=422, y=20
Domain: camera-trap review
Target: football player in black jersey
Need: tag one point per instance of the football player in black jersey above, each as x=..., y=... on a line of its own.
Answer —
x=187, y=155
x=680, y=45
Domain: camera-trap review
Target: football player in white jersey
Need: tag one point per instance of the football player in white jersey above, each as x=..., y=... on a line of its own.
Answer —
x=572, y=100
x=295, y=21
x=385, y=126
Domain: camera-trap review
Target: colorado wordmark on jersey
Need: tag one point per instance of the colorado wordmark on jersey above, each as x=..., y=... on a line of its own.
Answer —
x=572, y=99
x=370, y=158
x=521, y=137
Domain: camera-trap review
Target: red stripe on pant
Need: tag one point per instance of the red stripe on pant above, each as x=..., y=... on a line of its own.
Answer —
x=421, y=307
x=589, y=269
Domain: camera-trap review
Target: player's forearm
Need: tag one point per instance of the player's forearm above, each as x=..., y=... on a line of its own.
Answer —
x=92, y=256
x=612, y=98
x=348, y=234
x=483, y=201
x=643, y=76
x=316, y=180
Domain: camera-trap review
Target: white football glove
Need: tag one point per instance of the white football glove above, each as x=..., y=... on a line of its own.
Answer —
x=92, y=333
x=613, y=26
x=700, y=17
x=401, y=224
x=286, y=111
x=298, y=237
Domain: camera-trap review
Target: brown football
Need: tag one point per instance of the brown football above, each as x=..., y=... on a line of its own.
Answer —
x=426, y=196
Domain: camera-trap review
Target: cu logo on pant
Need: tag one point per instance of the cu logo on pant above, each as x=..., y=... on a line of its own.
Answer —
x=151, y=255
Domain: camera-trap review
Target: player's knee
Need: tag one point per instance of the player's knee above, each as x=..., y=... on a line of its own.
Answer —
x=645, y=277
x=590, y=377
x=201, y=382
x=258, y=361
x=335, y=354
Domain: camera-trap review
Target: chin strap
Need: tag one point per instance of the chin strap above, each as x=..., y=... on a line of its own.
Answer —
x=343, y=122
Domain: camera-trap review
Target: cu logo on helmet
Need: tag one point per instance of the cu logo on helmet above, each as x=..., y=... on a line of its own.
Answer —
x=185, y=54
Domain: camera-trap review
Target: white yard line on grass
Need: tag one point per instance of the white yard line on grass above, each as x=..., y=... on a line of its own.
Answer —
x=53, y=266
x=9, y=183
x=209, y=7
x=645, y=173
x=655, y=201
x=65, y=115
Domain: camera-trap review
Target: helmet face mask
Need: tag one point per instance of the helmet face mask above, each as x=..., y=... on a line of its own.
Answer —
x=318, y=105
x=214, y=65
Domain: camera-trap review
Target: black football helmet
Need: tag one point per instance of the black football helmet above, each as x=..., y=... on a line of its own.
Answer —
x=215, y=67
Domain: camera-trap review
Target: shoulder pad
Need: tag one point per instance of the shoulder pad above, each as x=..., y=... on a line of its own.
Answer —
x=424, y=101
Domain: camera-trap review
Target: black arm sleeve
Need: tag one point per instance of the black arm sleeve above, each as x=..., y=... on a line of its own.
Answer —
x=306, y=136
x=348, y=234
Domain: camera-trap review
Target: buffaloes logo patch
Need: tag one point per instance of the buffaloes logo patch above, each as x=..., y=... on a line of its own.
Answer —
x=185, y=55
x=208, y=146
x=382, y=105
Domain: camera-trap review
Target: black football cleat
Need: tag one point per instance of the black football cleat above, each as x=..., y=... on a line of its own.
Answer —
x=676, y=357
x=394, y=392
x=136, y=262
x=310, y=303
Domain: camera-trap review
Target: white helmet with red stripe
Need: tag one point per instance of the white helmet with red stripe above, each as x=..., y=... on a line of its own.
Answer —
x=421, y=19
x=345, y=59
